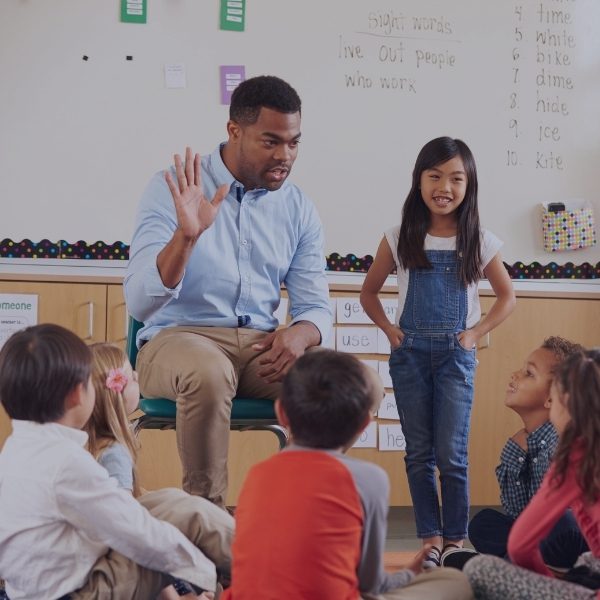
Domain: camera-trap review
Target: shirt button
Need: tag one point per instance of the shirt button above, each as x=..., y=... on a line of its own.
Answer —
x=518, y=483
x=543, y=442
x=535, y=460
x=244, y=242
x=521, y=459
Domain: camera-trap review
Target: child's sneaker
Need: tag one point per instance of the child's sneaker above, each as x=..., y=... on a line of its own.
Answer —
x=432, y=558
x=456, y=556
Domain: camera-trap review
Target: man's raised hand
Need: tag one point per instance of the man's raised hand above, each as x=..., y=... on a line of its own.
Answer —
x=195, y=213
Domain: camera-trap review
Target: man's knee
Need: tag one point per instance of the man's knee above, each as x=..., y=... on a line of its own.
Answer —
x=177, y=371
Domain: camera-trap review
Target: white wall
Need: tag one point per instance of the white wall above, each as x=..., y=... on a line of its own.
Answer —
x=79, y=139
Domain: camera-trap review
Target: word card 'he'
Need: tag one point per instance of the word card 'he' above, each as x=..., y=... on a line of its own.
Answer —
x=391, y=438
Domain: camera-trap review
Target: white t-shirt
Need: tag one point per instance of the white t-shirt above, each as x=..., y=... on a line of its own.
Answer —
x=490, y=245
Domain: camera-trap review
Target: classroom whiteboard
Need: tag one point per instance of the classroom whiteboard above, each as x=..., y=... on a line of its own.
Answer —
x=518, y=80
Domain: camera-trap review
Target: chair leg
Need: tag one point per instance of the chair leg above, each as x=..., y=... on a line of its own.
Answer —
x=281, y=433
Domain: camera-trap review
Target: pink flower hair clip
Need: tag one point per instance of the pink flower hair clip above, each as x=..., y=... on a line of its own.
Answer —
x=116, y=380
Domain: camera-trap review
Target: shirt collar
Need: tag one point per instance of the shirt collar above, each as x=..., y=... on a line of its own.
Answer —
x=49, y=430
x=297, y=447
x=223, y=175
x=221, y=172
x=544, y=433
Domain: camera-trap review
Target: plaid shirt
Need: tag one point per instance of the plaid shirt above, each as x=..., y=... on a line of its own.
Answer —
x=520, y=473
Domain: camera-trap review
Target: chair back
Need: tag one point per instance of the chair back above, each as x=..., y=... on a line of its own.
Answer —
x=133, y=327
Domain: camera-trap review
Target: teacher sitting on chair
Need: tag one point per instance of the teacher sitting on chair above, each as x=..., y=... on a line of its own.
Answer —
x=215, y=238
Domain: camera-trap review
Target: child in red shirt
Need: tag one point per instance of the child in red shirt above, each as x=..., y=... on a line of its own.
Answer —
x=311, y=521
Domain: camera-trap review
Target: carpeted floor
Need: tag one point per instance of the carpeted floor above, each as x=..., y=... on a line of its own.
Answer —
x=393, y=561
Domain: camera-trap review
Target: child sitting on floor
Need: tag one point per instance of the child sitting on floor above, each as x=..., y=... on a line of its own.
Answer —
x=572, y=481
x=112, y=442
x=311, y=521
x=66, y=528
x=524, y=460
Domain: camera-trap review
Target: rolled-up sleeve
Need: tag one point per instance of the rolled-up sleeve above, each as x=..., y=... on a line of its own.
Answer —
x=155, y=224
x=306, y=282
x=513, y=478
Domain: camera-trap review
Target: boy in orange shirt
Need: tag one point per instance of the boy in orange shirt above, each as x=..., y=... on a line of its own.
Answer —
x=311, y=522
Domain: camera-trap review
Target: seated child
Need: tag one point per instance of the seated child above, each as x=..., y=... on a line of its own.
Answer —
x=573, y=480
x=66, y=528
x=524, y=461
x=310, y=521
x=112, y=442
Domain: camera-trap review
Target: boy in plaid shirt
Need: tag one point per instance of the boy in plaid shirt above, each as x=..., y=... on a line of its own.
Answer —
x=525, y=459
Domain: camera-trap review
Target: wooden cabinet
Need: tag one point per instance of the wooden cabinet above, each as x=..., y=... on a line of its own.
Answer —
x=505, y=350
x=492, y=423
x=80, y=307
x=96, y=311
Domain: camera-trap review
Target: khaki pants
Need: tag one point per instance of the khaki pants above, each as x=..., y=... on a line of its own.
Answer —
x=209, y=528
x=437, y=584
x=202, y=369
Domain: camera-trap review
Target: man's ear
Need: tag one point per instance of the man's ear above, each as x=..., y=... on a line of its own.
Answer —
x=280, y=414
x=548, y=402
x=233, y=130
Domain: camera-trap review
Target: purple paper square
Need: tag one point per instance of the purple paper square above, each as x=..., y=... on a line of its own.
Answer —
x=231, y=77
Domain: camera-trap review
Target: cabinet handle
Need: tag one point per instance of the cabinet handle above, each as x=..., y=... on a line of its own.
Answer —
x=90, y=334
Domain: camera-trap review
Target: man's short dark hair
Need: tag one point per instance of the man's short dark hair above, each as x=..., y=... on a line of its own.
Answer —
x=39, y=367
x=263, y=91
x=327, y=397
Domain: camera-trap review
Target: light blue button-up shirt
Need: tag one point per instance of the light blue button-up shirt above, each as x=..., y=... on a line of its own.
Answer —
x=259, y=241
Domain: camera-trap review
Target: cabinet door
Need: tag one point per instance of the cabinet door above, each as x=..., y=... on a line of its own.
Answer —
x=116, y=316
x=76, y=306
x=533, y=320
x=80, y=307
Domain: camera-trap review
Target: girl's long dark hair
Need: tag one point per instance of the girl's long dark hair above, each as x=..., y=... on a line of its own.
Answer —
x=578, y=381
x=416, y=217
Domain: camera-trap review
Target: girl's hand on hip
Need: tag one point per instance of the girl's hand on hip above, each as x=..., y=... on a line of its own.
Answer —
x=395, y=335
x=468, y=339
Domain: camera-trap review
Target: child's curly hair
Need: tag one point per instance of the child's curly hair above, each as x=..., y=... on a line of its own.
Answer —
x=561, y=348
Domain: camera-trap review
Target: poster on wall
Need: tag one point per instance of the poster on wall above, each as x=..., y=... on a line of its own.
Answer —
x=17, y=311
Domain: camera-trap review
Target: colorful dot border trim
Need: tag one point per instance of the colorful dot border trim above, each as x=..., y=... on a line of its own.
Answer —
x=63, y=249
x=518, y=270
x=335, y=262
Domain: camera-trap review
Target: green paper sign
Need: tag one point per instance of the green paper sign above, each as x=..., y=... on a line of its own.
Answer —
x=133, y=11
x=233, y=15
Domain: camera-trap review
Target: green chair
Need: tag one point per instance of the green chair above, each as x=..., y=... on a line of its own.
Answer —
x=246, y=413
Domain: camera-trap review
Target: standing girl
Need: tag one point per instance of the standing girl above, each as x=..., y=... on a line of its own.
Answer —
x=112, y=443
x=440, y=253
x=572, y=481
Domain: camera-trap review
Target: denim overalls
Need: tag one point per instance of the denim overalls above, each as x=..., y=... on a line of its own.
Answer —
x=433, y=385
